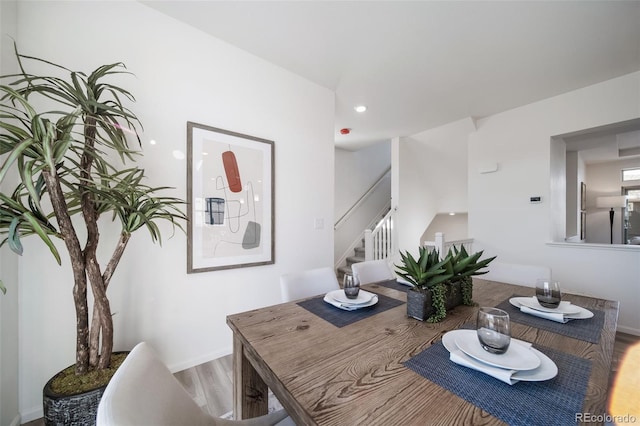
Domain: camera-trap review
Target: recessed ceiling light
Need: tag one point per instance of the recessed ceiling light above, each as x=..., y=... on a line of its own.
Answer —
x=360, y=108
x=452, y=214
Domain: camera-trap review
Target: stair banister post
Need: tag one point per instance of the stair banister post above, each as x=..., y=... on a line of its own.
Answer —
x=368, y=244
x=440, y=244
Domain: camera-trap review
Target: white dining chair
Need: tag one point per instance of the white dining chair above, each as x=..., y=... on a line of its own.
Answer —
x=372, y=271
x=144, y=392
x=311, y=282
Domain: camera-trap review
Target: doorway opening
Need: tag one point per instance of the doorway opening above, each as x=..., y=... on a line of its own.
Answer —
x=631, y=223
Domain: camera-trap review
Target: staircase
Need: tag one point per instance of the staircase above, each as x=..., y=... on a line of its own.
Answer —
x=358, y=256
x=377, y=240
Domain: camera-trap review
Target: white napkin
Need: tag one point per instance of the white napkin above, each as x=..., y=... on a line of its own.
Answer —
x=547, y=315
x=564, y=307
x=502, y=374
x=465, y=360
x=403, y=281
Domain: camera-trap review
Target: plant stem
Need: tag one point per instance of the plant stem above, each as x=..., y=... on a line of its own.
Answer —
x=70, y=238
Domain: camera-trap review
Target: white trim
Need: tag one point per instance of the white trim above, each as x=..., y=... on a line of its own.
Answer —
x=16, y=421
x=629, y=330
x=33, y=413
x=174, y=368
x=618, y=247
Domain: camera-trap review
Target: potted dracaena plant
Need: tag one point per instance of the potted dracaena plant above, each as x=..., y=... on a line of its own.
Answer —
x=70, y=160
x=438, y=285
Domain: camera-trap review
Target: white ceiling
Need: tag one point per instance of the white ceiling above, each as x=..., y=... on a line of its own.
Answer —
x=421, y=64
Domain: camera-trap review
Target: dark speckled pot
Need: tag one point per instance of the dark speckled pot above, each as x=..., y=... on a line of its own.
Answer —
x=70, y=410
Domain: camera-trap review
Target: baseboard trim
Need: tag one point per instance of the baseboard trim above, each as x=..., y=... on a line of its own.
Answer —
x=629, y=330
x=32, y=414
x=174, y=368
x=16, y=421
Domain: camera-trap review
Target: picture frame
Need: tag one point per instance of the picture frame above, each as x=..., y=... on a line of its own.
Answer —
x=230, y=199
x=583, y=196
x=583, y=225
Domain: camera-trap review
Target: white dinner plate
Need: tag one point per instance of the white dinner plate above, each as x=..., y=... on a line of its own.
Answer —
x=519, y=356
x=347, y=306
x=546, y=371
x=579, y=311
x=363, y=297
x=564, y=307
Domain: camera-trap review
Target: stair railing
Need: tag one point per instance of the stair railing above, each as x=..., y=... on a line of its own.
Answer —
x=379, y=241
x=443, y=246
x=364, y=196
x=358, y=241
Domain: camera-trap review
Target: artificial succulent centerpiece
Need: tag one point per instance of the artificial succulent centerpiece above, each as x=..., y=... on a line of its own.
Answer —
x=464, y=266
x=439, y=284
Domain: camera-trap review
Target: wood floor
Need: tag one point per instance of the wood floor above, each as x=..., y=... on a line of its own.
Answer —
x=210, y=384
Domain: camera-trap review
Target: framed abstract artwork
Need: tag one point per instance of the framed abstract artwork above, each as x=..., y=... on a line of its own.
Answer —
x=230, y=199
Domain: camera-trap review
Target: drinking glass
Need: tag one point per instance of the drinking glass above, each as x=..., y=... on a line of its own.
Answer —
x=548, y=293
x=494, y=330
x=351, y=287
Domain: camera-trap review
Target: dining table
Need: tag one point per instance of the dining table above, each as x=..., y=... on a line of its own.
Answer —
x=377, y=366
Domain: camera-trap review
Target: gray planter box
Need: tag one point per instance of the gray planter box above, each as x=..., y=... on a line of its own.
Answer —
x=419, y=304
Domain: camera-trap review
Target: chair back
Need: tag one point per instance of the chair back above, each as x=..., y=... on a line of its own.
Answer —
x=308, y=283
x=144, y=392
x=372, y=271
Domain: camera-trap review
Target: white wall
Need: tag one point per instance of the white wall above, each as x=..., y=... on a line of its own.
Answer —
x=181, y=74
x=531, y=162
x=453, y=227
x=9, y=389
x=355, y=173
x=605, y=179
x=504, y=223
x=432, y=178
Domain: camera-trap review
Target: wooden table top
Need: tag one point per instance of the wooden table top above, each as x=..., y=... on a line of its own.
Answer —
x=352, y=375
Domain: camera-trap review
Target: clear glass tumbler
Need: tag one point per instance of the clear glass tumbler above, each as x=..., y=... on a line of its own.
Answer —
x=351, y=287
x=548, y=293
x=494, y=330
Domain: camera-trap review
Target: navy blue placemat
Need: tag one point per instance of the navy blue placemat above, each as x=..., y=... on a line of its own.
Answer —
x=585, y=329
x=339, y=317
x=393, y=284
x=552, y=402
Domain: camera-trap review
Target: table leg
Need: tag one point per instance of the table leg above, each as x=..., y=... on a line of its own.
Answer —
x=250, y=393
